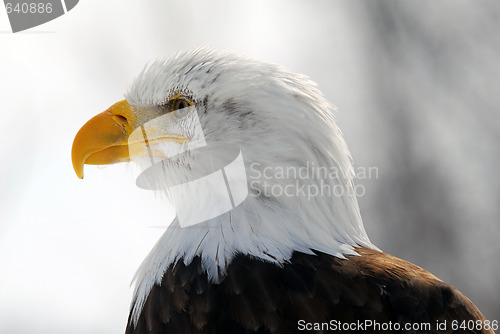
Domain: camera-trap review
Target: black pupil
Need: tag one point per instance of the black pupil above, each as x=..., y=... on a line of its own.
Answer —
x=181, y=104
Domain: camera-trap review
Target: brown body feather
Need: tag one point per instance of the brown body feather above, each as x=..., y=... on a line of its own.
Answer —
x=260, y=297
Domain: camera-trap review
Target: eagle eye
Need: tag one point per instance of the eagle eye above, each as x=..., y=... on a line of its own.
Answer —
x=180, y=107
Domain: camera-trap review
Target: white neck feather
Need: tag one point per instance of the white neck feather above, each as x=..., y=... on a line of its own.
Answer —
x=267, y=228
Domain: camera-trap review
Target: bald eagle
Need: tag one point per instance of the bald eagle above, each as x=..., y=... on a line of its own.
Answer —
x=268, y=237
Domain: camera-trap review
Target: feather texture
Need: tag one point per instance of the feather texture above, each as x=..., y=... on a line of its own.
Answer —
x=261, y=297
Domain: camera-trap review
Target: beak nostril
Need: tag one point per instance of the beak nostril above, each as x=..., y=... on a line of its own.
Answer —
x=120, y=119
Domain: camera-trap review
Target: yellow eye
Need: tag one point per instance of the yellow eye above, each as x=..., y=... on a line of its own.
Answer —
x=181, y=107
x=180, y=103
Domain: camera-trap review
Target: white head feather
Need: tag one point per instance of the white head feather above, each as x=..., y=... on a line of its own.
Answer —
x=280, y=121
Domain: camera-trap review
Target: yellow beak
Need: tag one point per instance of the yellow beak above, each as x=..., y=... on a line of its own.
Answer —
x=104, y=138
x=109, y=137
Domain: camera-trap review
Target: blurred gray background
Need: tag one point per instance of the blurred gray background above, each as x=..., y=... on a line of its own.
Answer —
x=416, y=84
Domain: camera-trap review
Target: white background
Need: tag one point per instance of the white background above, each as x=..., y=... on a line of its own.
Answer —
x=69, y=247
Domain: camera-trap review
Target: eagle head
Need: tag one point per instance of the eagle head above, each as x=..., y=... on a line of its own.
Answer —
x=204, y=123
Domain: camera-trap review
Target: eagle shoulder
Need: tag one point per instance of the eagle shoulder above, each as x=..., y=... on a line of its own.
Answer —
x=261, y=297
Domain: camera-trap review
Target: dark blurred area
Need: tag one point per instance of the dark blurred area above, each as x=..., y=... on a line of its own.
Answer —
x=431, y=125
